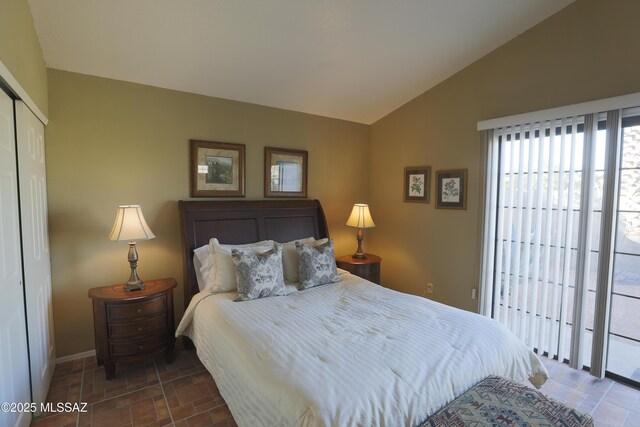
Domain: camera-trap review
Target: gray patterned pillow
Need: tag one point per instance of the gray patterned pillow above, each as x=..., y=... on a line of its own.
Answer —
x=258, y=275
x=317, y=264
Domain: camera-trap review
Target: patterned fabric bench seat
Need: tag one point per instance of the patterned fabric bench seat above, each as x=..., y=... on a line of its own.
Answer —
x=496, y=401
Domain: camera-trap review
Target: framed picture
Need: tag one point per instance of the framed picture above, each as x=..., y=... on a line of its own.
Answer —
x=452, y=189
x=417, y=184
x=217, y=169
x=285, y=172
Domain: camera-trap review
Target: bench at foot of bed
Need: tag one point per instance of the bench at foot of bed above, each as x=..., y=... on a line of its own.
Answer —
x=498, y=401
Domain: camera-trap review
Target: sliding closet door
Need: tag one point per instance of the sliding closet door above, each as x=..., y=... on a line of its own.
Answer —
x=35, y=241
x=14, y=367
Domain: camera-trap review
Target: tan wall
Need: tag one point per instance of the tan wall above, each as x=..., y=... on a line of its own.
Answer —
x=587, y=51
x=20, y=50
x=111, y=143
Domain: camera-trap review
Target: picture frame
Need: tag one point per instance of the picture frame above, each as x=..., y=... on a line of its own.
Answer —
x=285, y=172
x=217, y=169
x=452, y=189
x=417, y=184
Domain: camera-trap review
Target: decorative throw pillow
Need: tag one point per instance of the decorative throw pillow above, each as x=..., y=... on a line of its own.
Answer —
x=317, y=264
x=290, y=257
x=223, y=277
x=259, y=275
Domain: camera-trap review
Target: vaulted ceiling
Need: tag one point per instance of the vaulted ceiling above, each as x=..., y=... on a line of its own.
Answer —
x=355, y=60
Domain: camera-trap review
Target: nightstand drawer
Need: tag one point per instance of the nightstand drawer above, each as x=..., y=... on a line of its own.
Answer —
x=370, y=273
x=137, y=347
x=137, y=329
x=135, y=310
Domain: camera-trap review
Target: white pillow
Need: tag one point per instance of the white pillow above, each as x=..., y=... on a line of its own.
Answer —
x=203, y=265
x=223, y=277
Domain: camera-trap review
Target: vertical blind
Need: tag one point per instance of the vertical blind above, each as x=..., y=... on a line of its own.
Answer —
x=544, y=208
x=551, y=193
x=534, y=185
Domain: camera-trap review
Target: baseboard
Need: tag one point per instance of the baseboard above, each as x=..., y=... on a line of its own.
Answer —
x=76, y=356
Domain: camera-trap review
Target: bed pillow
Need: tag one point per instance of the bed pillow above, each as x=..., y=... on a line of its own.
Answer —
x=259, y=275
x=317, y=264
x=203, y=266
x=290, y=259
x=223, y=277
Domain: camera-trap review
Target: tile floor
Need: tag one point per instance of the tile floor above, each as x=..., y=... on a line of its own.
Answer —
x=154, y=394
x=183, y=394
x=611, y=404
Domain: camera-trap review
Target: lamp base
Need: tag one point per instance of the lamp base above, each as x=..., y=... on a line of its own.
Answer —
x=134, y=286
x=359, y=253
x=134, y=283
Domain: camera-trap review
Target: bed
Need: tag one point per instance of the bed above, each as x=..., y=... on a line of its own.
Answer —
x=346, y=353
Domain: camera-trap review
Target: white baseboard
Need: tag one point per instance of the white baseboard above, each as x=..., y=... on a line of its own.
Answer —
x=76, y=356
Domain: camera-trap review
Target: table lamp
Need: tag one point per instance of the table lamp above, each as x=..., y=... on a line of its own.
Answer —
x=360, y=218
x=131, y=226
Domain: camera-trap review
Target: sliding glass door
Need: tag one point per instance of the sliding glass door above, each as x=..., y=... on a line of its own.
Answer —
x=624, y=328
x=551, y=192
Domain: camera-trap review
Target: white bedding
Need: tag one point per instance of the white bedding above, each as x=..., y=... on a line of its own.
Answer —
x=349, y=353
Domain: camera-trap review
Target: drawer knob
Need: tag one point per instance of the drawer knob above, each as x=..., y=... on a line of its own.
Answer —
x=139, y=328
x=140, y=347
x=139, y=310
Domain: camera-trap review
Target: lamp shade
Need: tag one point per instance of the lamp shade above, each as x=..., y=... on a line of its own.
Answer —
x=360, y=217
x=130, y=224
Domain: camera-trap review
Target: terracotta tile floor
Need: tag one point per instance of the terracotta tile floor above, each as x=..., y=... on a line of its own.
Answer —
x=183, y=394
x=610, y=403
x=151, y=393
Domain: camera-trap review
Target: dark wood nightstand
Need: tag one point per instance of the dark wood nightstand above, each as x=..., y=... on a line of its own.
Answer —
x=368, y=268
x=133, y=325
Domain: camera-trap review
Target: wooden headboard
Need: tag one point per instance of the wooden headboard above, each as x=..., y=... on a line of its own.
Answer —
x=243, y=221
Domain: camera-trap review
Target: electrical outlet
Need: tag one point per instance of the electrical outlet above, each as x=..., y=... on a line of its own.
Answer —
x=429, y=288
x=473, y=293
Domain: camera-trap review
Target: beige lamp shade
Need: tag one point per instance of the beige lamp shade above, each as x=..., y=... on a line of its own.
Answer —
x=360, y=217
x=130, y=224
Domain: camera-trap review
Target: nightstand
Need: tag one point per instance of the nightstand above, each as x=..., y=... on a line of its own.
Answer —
x=368, y=268
x=133, y=325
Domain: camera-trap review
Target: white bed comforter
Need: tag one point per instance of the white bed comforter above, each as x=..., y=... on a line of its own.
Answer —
x=349, y=353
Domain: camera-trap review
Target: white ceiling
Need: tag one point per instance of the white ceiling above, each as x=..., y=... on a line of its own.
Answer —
x=356, y=60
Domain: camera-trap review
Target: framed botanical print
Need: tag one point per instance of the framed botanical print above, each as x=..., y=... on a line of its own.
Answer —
x=217, y=169
x=452, y=189
x=417, y=184
x=285, y=172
